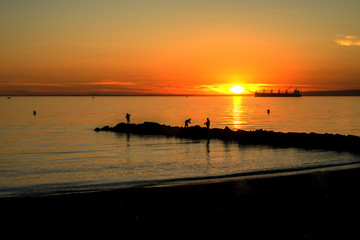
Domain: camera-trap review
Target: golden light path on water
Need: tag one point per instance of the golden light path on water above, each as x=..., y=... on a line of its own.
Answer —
x=58, y=148
x=237, y=112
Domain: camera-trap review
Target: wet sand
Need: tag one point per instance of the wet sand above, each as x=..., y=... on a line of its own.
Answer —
x=307, y=205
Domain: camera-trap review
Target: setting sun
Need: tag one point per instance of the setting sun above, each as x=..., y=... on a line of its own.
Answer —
x=237, y=89
x=185, y=48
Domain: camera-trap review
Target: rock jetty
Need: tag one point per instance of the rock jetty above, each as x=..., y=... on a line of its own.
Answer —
x=334, y=142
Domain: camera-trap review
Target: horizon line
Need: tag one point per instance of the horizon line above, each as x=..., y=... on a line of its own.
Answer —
x=348, y=92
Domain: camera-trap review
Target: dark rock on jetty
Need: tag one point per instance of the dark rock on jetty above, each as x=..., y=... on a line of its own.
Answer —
x=335, y=142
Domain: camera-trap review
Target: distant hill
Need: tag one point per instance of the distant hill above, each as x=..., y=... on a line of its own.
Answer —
x=332, y=93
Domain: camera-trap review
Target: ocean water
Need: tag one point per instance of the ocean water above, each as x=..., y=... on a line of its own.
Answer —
x=57, y=150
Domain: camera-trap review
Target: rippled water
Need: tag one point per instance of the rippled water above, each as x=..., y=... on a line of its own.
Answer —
x=57, y=150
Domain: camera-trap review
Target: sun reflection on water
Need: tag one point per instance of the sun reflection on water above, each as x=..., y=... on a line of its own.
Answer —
x=237, y=112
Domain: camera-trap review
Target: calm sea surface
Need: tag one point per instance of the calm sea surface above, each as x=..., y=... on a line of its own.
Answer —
x=58, y=151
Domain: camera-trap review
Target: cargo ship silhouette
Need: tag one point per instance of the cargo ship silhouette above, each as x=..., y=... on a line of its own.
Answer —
x=296, y=93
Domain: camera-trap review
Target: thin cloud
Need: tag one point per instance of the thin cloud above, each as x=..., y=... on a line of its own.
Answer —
x=348, y=40
x=112, y=83
x=32, y=84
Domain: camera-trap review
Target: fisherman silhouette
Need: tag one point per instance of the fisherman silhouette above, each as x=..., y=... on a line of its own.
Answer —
x=187, y=121
x=207, y=124
x=128, y=118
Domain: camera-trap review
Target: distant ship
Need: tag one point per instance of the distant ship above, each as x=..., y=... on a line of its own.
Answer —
x=296, y=93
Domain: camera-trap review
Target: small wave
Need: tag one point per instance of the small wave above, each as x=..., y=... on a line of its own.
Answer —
x=82, y=187
x=248, y=174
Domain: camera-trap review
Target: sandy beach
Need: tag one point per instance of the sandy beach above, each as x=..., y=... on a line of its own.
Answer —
x=310, y=204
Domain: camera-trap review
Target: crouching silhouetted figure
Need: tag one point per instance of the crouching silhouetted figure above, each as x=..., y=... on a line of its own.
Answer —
x=207, y=124
x=128, y=118
x=187, y=121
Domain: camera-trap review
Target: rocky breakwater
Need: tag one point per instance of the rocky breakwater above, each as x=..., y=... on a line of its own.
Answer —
x=335, y=142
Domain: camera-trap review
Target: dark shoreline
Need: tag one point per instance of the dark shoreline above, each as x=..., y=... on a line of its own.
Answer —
x=315, y=204
x=34, y=193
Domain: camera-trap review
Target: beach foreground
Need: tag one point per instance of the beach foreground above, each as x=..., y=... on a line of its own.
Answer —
x=311, y=204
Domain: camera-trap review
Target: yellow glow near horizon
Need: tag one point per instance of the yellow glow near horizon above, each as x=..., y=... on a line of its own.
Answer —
x=185, y=47
x=237, y=89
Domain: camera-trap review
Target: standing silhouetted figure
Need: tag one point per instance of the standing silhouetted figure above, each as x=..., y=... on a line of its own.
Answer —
x=207, y=124
x=128, y=118
x=187, y=121
x=34, y=112
x=268, y=111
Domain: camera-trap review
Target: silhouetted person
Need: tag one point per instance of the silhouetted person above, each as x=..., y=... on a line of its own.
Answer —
x=187, y=121
x=128, y=118
x=34, y=112
x=268, y=111
x=207, y=124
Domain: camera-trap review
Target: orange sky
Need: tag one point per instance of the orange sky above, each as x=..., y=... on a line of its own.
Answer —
x=177, y=47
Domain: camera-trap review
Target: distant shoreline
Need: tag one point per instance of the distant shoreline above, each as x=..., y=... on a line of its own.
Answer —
x=337, y=93
x=334, y=93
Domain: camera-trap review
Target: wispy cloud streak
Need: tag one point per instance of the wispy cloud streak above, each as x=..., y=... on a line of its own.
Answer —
x=112, y=83
x=348, y=40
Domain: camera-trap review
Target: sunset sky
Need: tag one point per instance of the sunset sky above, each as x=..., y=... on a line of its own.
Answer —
x=87, y=47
